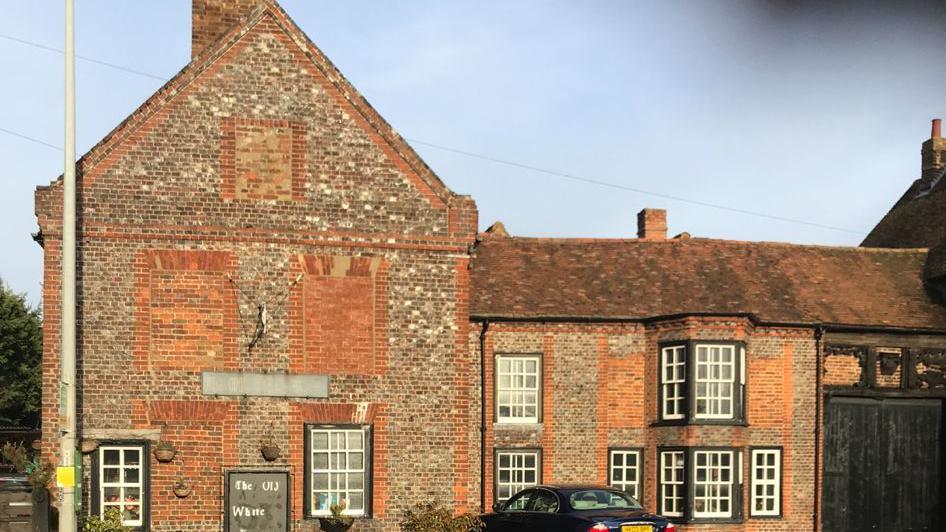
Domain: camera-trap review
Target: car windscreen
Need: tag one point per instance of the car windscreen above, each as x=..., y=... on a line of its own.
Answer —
x=592, y=499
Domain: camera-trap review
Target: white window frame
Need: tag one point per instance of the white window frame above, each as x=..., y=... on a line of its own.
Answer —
x=624, y=477
x=122, y=485
x=513, y=390
x=719, y=483
x=338, y=476
x=673, y=482
x=673, y=383
x=772, y=502
x=709, y=388
x=518, y=471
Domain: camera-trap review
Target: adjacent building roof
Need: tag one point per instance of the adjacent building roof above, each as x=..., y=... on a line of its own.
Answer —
x=528, y=278
x=917, y=220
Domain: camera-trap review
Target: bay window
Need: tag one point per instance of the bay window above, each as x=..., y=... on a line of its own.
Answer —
x=702, y=382
x=700, y=484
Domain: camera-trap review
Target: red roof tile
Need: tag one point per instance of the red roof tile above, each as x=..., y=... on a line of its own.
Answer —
x=530, y=278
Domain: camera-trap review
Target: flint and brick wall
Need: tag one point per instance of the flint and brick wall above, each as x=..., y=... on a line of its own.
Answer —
x=600, y=391
x=258, y=175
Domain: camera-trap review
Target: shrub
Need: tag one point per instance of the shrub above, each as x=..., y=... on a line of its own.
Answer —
x=112, y=522
x=39, y=473
x=431, y=517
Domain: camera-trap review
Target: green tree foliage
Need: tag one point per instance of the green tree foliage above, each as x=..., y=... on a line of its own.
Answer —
x=21, y=352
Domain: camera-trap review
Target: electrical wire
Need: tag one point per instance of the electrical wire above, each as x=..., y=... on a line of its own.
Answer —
x=496, y=160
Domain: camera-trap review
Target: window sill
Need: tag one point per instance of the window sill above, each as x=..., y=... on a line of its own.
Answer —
x=310, y=517
x=517, y=426
x=709, y=422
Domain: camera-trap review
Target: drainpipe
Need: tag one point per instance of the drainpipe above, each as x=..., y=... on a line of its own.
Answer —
x=819, y=397
x=483, y=328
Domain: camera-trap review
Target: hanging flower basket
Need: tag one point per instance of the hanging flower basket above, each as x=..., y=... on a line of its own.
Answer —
x=181, y=488
x=270, y=452
x=164, y=452
x=337, y=522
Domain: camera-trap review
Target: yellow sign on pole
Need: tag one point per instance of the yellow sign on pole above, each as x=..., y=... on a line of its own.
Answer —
x=66, y=476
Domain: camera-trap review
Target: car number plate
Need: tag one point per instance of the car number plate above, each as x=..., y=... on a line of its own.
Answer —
x=637, y=528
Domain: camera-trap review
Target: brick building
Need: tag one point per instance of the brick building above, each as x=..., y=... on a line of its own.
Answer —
x=264, y=262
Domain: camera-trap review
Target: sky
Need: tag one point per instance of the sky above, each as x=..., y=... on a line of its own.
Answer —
x=810, y=111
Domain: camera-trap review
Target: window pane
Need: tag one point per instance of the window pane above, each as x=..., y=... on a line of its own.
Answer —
x=320, y=461
x=356, y=501
x=110, y=475
x=356, y=440
x=112, y=494
x=111, y=457
x=320, y=440
x=131, y=475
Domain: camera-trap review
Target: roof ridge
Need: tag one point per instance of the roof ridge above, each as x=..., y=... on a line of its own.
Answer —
x=703, y=240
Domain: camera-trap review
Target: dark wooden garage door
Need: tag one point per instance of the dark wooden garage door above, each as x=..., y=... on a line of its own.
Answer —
x=882, y=465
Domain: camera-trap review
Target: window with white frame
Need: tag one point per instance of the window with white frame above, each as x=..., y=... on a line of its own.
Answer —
x=121, y=471
x=338, y=469
x=766, y=483
x=702, y=382
x=713, y=484
x=672, y=483
x=518, y=381
x=625, y=466
x=515, y=471
x=715, y=381
x=673, y=384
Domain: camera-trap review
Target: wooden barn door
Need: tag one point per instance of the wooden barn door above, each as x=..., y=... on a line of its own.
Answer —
x=882, y=465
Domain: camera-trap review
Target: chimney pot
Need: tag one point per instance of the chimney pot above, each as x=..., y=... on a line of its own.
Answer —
x=934, y=152
x=652, y=224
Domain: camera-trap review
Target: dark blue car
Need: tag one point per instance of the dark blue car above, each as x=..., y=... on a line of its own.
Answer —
x=573, y=509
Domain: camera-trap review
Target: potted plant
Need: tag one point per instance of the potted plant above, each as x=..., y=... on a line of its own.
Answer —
x=269, y=447
x=38, y=473
x=181, y=488
x=337, y=522
x=164, y=451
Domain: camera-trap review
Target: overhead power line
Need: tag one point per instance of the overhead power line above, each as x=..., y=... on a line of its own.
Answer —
x=88, y=59
x=563, y=175
x=31, y=139
x=619, y=186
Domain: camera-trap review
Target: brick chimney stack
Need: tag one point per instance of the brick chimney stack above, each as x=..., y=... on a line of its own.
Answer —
x=210, y=19
x=934, y=151
x=652, y=224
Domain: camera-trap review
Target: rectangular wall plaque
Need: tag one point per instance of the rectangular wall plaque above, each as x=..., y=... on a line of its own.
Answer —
x=257, y=501
x=264, y=384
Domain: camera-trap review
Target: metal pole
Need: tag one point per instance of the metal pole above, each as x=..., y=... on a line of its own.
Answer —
x=67, y=418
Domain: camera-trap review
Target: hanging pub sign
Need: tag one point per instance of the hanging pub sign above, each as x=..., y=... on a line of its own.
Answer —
x=257, y=501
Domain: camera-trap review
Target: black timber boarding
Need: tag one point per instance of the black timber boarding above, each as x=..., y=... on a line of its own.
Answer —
x=883, y=462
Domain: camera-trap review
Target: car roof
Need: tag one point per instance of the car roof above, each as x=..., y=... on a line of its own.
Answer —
x=575, y=487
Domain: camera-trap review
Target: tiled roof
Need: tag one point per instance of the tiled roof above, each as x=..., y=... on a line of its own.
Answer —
x=917, y=220
x=530, y=278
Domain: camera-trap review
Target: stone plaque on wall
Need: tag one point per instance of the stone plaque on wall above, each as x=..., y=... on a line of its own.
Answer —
x=257, y=501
